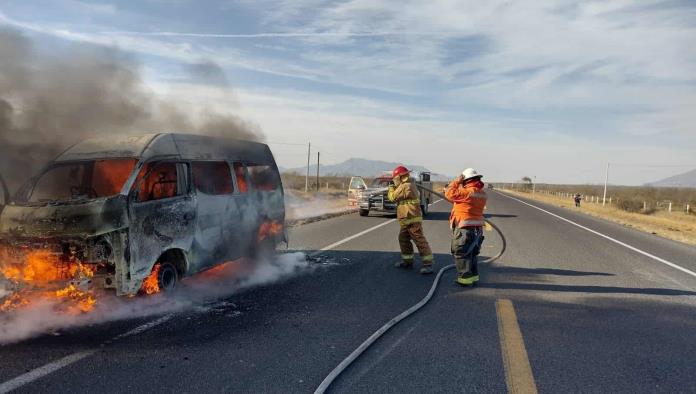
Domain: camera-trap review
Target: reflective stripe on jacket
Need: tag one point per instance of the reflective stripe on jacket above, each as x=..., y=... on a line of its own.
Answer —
x=469, y=202
x=406, y=197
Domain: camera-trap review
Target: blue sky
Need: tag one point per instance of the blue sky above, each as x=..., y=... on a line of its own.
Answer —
x=548, y=89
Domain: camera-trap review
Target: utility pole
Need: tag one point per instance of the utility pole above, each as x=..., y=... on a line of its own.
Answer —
x=318, y=153
x=534, y=185
x=606, y=181
x=309, y=151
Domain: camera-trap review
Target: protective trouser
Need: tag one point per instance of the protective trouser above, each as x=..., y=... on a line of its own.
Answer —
x=466, y=246
x=414, y=232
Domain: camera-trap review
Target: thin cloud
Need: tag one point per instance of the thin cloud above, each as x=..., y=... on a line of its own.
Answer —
x=278, y=34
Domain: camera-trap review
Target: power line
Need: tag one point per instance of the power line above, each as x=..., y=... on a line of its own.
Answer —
x=286, y=143
x=651, y=165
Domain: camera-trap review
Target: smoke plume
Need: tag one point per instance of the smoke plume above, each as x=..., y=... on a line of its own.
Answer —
x=52, y=99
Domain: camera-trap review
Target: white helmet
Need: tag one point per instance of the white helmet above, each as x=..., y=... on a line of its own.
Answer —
x=470, y=173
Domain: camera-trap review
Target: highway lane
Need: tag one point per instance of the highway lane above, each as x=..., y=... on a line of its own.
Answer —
x=594, y=317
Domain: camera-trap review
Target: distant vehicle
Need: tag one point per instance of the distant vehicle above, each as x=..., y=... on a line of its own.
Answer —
x=490, y=186
x=128, y=207
x=374, y=198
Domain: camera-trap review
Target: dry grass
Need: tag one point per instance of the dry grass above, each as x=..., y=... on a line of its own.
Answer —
x=326, y=183
x=676, y=226
x=631, y=198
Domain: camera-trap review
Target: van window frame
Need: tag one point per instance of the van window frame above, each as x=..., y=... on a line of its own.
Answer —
x=230, y=168
x=252, y=186
x=23, y=193
x=186, y=171
x=237, y=189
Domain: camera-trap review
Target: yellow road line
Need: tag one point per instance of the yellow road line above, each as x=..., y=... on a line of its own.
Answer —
x=518, y=371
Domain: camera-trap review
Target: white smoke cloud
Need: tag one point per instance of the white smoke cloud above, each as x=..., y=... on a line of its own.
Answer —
x=300, y=206
x=200, y=291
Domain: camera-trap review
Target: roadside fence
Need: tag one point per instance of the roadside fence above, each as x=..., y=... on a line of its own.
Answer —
x=626, y=204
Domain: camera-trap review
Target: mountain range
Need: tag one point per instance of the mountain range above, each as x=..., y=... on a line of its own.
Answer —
x=362, y=167
x=687, y=179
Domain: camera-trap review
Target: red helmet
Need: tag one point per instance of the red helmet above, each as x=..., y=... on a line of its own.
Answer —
x=399, y=171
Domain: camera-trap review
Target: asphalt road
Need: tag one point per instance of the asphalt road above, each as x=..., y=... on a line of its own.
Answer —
x=594, y=316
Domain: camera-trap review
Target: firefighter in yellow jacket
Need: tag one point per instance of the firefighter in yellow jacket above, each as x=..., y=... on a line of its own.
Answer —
x=408, y=211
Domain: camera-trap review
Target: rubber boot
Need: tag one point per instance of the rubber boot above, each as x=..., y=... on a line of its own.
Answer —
x=426, y=270
x=408, y=264
x=467, y=279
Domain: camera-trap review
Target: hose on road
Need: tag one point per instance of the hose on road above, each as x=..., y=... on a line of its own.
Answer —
x=408, y=312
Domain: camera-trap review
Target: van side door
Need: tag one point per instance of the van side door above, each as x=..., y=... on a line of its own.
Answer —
x=162, y=213
x=247, y=206
x=268, y=190
x=217, y=234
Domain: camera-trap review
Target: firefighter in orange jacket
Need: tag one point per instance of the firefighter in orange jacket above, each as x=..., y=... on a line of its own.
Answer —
x=466, y=220
x=408, y=211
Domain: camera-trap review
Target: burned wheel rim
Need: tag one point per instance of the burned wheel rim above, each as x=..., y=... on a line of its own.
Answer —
x=167, y=277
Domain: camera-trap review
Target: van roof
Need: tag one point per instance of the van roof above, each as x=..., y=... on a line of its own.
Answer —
x=185, y=146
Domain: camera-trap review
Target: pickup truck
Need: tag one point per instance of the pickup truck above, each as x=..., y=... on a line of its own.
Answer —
x=373, y=198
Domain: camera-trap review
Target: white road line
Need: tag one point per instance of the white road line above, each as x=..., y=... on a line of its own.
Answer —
x=360, y=234
x=352, y=237
x=54, y=366
x=40, y=372
x=143, y=328
x=616, y=241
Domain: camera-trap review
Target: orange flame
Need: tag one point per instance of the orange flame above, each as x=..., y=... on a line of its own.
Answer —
x=44, y=267
x=14, y=301
x=41, y=269
x=269, y=229
x=151, y=283
x=110, y=175
x=83, y=301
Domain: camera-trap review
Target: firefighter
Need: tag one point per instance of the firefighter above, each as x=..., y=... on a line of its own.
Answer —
x=408, y=211
x=466, y=221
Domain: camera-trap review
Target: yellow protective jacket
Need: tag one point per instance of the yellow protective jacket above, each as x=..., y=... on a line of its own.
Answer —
x=407, y=198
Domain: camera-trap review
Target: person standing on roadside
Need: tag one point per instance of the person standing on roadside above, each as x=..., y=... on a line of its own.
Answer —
x=408, y=211
x=468, y=197
x=577, y=199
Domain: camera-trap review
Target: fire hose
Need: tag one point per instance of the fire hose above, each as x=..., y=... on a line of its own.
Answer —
x=336, y=372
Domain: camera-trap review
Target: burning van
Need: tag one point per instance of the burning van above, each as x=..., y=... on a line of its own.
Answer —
x=137, y=213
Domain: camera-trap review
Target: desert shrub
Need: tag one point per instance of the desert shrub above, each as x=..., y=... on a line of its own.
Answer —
x=630, y=205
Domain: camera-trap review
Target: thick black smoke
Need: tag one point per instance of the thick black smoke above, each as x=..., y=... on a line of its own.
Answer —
x=50, y=100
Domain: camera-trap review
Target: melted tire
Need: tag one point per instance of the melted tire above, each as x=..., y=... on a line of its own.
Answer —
x=167, y=277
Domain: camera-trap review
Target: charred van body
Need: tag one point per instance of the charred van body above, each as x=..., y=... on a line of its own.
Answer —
x=124, y=205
